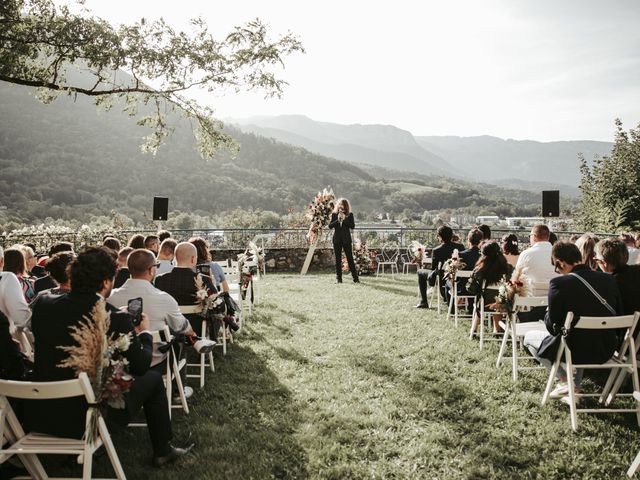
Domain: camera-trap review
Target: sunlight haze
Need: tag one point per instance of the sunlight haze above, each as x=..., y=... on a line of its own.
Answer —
x=514, y=69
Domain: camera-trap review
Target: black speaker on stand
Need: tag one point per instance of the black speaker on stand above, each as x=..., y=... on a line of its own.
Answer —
x=160, y=208
x=551, y=203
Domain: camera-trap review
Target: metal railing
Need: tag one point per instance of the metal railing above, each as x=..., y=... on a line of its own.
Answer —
x=238, y=238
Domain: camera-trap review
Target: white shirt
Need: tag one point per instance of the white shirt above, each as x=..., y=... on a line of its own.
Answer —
x=159, y=306
x=12, y=302
x=165, y=267
x=634, y=256
x=535, y=264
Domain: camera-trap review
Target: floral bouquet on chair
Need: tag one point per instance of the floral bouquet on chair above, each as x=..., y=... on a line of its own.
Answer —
x=101, y=356
x=212, y=302
x=451, y=266
x=319, y=213
x=417, y=252
x=507, y=290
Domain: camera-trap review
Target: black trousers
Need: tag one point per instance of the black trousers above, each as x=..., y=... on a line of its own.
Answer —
x=422, y=285
x=338, y=246
x=148, y=393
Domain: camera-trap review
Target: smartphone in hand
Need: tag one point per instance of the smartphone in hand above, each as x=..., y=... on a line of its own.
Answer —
x=204, y=269
x=134, y=307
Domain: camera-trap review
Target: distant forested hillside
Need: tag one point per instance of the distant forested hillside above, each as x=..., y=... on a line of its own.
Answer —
x=68, y=161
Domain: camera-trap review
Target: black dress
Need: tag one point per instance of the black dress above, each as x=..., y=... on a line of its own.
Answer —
x=342, y=241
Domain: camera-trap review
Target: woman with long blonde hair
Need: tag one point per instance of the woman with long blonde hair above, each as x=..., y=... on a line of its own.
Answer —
x=342, y=222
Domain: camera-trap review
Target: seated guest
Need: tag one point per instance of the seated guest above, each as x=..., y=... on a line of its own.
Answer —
x=165, y=256
x=469, y=257
x=112, y=243
x=12, y=366
x=30, y=259
x=440, y=254
x=489, y=270
x=510, y=248
x=204, y=258
x=38, y=270
x=569, y=294
x=534, y=264
x=12, y=301
x=57, y=268
x=152, y=243
x=586, y=243
x=14, y=262
x=92, y=276
x=163, y=235
x=136, y=241
x=160, y=307
x=180, y=283
x=46, y=282
x=612, y=257
x=123, y=272
x=486, y=231
x=634, y=253
x=553, y=238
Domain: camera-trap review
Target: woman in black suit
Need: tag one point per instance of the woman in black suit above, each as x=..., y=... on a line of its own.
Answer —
x=342, y=222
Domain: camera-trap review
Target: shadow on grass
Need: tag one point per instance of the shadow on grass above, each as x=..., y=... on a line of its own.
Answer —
x=394, y=290
x=243, y=423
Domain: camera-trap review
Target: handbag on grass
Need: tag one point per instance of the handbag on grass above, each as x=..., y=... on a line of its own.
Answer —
x=550, y=344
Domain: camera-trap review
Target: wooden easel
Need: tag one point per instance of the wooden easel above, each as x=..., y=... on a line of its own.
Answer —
x=310, y=252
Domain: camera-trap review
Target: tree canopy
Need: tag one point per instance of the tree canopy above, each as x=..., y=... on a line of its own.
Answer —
x=610, y=186
x=42, y=43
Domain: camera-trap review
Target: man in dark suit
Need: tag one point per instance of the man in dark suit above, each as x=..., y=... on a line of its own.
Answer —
x=92, y=274
x=612, y=257
x=440, y=254
x=569, y=294
x=123, y=273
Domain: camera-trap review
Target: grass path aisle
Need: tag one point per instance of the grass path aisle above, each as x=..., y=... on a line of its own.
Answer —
x=351, y=381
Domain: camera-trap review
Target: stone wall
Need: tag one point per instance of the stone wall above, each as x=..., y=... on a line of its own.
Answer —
x=289, y=259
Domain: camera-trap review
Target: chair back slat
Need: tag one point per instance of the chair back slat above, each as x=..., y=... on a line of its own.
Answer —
x=598, y=323
x=43, y=390
x=519, y=301
x=464, y=273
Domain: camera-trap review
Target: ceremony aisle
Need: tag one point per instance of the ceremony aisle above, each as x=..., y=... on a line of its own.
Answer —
x=351, y=381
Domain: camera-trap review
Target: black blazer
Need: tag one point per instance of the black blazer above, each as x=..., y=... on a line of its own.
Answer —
x=122, y=276
x=342, y=231
x=44, y=283
x=441, y=254
x=568, y=294
x=470, y=257
x=628, y=279
x=50, y=322
x=12, y=366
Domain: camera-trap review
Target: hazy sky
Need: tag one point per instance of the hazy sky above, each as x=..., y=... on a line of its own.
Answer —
x=535, y=69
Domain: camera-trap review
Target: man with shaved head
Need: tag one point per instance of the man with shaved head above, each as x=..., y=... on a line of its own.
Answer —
x=180, y=283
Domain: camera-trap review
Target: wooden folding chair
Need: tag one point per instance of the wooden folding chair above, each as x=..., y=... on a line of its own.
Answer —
x=482, y=317
x=636, y=461
x=435, y=291
x=28, y=446
x=627, y=360
x=454, y=301
x=206, y=360
x=515, y=331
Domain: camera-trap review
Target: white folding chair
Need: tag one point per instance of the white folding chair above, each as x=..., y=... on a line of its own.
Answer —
x=173, y=370
x=636, y=461
x=405, y=259
x=482, y=317
x=28, y=446
x=617, y=378
x=456, y=298
x=206, y=359
x=627, y=360
x=435, y=290
x=388, y=257
x=515, y=331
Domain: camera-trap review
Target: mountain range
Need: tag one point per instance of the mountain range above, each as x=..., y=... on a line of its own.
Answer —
x=548, y=165
x=68, y=161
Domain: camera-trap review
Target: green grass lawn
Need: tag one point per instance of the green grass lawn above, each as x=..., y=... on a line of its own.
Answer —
x=351, y=381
